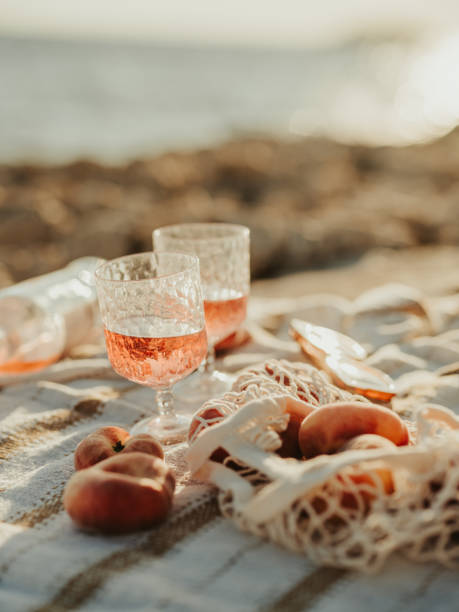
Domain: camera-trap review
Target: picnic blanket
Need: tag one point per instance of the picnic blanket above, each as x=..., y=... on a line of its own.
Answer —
x=197, y=560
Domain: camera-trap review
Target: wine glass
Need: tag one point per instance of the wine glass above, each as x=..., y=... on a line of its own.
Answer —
x=223, y=251
x=152, y=311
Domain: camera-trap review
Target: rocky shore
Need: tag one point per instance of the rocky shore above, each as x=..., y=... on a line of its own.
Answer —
x=309, y=204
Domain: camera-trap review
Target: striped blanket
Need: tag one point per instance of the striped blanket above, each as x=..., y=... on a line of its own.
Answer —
x=197, y=560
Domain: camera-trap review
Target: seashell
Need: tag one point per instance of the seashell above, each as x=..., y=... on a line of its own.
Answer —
x=340, y=356
x=360, y=378
x=317, y=341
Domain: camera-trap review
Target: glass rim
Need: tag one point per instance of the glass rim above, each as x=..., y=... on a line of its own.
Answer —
x=194, y=265
x=239, y=231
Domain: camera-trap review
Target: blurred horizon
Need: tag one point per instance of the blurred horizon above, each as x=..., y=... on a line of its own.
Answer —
x=96, y=80
x=296, y=23
x=379, y=35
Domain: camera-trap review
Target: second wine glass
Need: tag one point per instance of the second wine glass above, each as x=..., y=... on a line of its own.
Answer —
x=223, y=251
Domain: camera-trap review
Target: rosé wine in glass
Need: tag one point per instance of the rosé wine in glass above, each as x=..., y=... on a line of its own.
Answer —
x=223, y=316
x=224, y=257
x=153, y=315
x=156, y=361
x=21, y=367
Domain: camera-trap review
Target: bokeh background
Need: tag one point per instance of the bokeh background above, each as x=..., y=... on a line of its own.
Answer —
x=328, y=128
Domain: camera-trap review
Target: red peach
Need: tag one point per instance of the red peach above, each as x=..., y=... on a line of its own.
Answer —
x=203, y=418
x=325, y=430
x=297, y=411
x=144, y=443
x=369, y=441
x=108, y=441
x=210, y=416
x=120, y=494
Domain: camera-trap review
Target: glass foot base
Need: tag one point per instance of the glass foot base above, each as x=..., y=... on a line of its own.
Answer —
x=200, y=387
x=168, y=430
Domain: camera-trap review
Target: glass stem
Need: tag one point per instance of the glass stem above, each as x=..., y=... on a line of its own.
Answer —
x=165, y=403
x=209, y=364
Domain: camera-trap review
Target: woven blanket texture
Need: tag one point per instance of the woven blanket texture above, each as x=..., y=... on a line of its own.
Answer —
x=197, y=560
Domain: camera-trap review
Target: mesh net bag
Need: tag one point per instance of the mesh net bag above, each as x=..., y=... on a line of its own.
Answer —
x=337, y=509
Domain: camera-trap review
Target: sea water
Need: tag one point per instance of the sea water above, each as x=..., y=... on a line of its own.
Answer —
x=61, y=99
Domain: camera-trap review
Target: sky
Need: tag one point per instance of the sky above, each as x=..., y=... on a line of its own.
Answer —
x=254, y=22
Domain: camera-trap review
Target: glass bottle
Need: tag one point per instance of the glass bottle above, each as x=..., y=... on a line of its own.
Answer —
x=42, y=318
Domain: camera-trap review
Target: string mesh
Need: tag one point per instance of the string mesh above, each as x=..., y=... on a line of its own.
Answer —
x=364, y=506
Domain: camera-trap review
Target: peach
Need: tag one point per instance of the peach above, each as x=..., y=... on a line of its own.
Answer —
x=297, y=411
x=325, y=430
x=203, y=418
x=369, y=441
x=120, y=494
x=108, y=441
x=144, y=443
